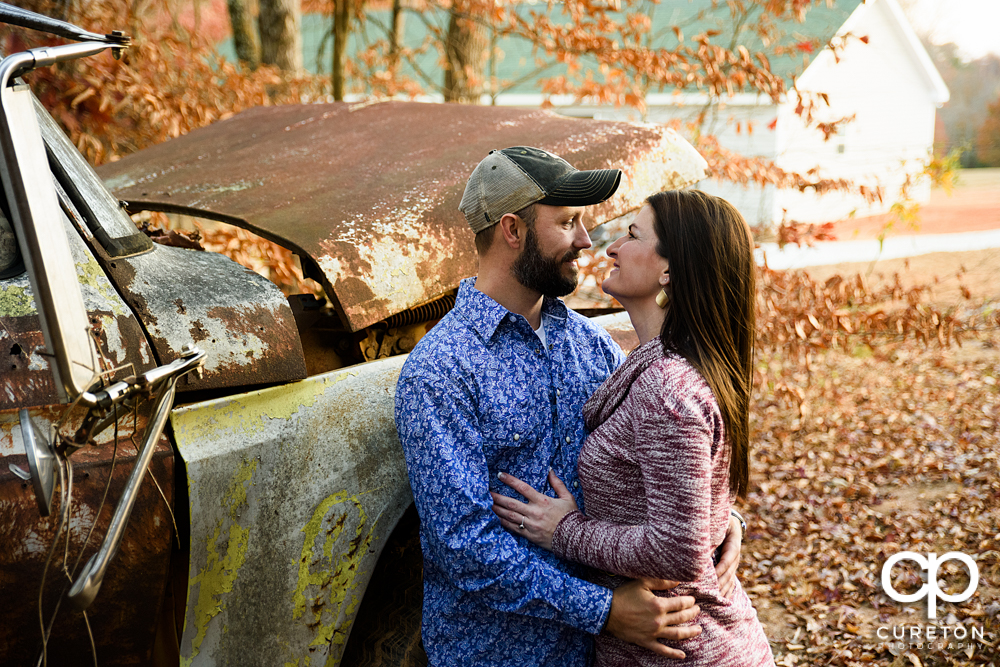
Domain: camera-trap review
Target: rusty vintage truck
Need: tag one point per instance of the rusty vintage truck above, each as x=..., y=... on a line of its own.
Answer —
x=195, y=469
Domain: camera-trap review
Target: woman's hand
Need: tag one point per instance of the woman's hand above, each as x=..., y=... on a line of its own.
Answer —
x=537, y=519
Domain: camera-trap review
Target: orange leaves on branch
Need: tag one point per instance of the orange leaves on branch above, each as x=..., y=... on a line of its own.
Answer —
x=833, y=127
x=601, y=33
x=848, y=306
x=169, y=82
x=799, y=233
x=728, y=165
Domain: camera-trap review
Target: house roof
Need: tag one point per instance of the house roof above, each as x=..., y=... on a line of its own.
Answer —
x=917, y=51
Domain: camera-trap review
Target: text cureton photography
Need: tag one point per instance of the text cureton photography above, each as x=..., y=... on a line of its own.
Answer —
x=933, y=634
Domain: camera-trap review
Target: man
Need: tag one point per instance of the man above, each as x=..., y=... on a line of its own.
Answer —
x=499, y=386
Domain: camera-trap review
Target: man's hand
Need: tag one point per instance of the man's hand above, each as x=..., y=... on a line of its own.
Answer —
x=639, y=617
x=730, y=557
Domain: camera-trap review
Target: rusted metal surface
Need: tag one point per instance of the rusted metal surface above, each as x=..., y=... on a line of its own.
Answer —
x=293, y=491
x=241, y=320
x=368, y=194
x=123, y=615
x=620, y=328
x=25, y=375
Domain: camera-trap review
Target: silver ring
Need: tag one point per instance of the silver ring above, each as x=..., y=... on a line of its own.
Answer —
x=522, y=523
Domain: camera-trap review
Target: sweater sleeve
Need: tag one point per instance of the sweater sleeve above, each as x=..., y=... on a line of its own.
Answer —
x=674, y=434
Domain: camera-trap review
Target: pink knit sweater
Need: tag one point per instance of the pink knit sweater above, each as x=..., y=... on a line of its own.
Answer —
x=655, y=475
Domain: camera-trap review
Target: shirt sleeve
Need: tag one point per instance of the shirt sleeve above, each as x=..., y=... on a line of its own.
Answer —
x=674, y=434
x=437, y=427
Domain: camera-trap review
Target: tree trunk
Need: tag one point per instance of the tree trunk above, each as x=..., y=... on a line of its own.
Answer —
x=245, y=38
x=281, y=34
x=396, y=36
x=341, y=29
x=465, y=49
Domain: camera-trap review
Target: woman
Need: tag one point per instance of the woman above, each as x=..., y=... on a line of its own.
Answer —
x=668, y=430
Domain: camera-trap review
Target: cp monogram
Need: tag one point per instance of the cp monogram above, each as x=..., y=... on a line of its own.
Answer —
x=930, y=590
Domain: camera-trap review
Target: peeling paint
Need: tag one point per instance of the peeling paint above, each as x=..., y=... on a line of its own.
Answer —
x=38, y=362
x=122, y=619
x=215, y=580
x=329, y=484
x=90, y=274
x=122, y=345
x=236, y=497
x=240, y=319
x=311, y=531
x=16, y=302
x=247, y=413
x=334, y=585
x=218, y=576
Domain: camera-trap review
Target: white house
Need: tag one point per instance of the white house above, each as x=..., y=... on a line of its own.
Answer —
x=887, y=82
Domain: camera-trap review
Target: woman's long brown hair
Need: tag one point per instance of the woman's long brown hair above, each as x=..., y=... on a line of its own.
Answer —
x=711, y=315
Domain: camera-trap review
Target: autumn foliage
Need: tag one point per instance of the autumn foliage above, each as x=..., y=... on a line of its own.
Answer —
x=167, y=84
x=890, y=449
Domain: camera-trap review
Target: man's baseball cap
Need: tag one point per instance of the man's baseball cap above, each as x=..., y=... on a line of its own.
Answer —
x=508, y=180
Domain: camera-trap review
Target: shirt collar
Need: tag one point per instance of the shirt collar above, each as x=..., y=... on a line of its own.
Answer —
x=554, y=308
x=484, y=314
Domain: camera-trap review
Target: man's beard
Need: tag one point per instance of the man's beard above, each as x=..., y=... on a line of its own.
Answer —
x=543, y=274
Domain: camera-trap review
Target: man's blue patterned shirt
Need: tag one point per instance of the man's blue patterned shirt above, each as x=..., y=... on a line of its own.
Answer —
x=479, y=395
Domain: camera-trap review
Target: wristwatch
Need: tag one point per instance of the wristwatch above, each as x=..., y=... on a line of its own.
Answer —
x=739, y=517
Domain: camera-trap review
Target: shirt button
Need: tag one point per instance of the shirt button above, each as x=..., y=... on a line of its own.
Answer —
x=567, y=438
x=517, y=436
x=558, y=393
x=576, y=485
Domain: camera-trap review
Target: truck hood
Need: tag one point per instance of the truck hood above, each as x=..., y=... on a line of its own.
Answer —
x=367, y=194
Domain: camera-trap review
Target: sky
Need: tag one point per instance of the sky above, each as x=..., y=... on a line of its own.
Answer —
x=974, y=25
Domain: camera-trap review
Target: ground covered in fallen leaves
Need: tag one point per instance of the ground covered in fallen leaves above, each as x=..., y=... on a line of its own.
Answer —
x=863, y=449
